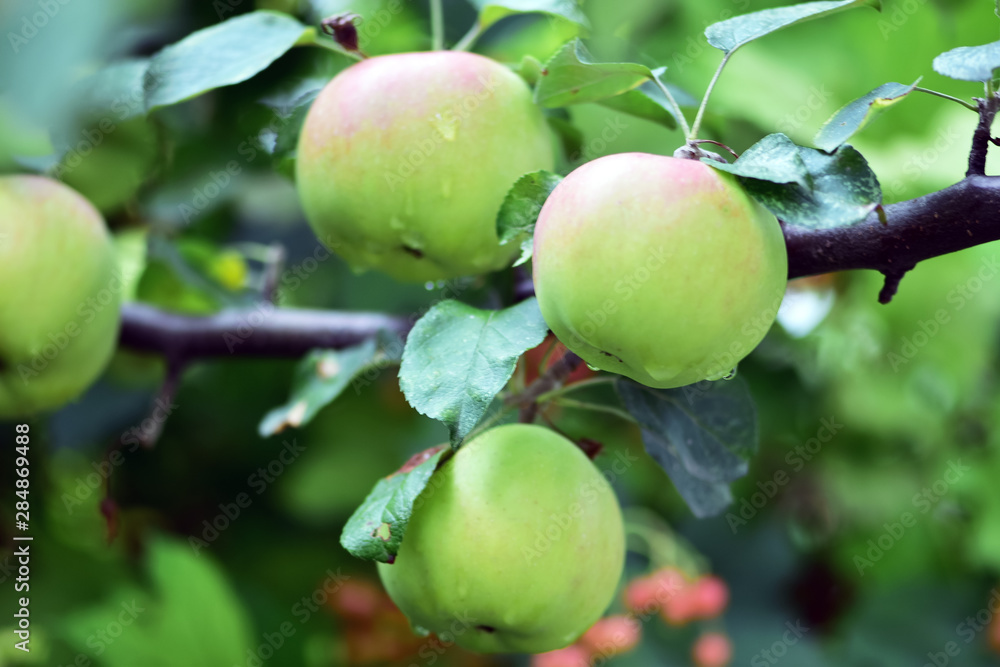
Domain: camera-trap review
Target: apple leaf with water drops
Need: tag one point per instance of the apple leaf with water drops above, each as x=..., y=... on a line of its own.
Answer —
x=970, y=63
x=457, y=359
x=804, y=186
x=520, y=209
x=856, y=115
x=222, y=55
x=702, y=435
x=323, y=375
x=491, y=11
x=731, y=34
x=377, y=527
x=572, y=77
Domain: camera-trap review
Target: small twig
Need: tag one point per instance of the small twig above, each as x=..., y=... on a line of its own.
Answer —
x=273, y=267
x=717, y=143
x=165, y=396
x=891, y=285
x=551, y=379
x=983, y=136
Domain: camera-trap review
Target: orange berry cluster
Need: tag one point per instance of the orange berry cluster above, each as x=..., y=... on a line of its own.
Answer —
x=666, y=592
x=677, y=599
x=608, y=637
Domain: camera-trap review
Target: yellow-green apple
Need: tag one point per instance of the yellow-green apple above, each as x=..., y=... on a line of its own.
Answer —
x=404, y=160
x=515, y=545
x=59, y=309
x=658, y=268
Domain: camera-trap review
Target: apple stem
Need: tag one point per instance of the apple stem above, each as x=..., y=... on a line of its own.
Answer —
x=437, y=26
x=468, y=39
x=696, y=126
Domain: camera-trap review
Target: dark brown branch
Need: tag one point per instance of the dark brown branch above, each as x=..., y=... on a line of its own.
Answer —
x=264, y=331
x=965, y=215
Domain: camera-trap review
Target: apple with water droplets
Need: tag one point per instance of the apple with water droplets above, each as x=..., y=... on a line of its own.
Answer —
x=404, y=160
x=658, y=268
x=515, y=545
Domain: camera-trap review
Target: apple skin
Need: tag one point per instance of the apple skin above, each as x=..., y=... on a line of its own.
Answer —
x=60, y=311
x=405, y=159
x=515, y=546
x=658, y=268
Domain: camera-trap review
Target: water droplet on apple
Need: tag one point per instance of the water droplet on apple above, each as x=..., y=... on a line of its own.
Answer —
x=730, y=375
x=412, y=239
x=593, y=368
x=447, y=129
x=420, y=631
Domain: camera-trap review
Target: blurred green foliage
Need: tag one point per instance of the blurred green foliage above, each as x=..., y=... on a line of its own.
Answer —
x=877, y=412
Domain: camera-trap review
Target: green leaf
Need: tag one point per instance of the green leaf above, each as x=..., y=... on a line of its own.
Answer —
x=457, y=358
x=731, y=34
x=520, y=209
x=491, y=11
x=572, y=77
x=222, y=55
x=859, y=113
x=115, y=91
x=703, y=435
x=804, y=186
x=647, y=102
x=286, y=141
x=193, y=617
x=970, y=63
x=323, y=375
x=376, y=529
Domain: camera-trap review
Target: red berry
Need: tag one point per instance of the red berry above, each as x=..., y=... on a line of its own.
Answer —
x=680, y=609
x=611, y=636
x=711, y=595
x=640, y=595
x=571, y=656
x=359, y=600
x=712, y=649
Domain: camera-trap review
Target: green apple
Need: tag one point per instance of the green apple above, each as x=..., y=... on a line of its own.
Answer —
x=658, y=268
x=516, y=545
x=59, y=310
x=404, y=161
